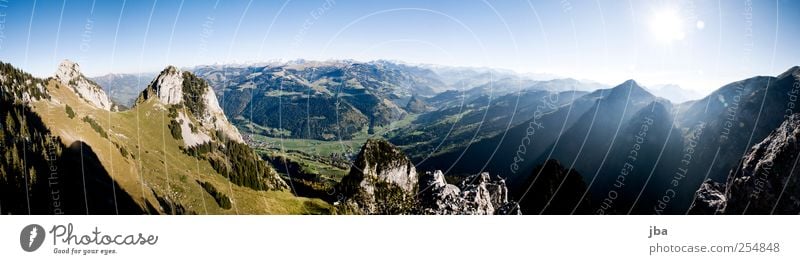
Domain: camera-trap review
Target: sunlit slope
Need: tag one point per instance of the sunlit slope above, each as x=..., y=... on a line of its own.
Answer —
x=139, y=153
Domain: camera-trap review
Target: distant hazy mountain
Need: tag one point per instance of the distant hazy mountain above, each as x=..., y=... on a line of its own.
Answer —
x=462, y=78
x=567, y=84
x=510, y=85
x=674, y=93
x=124, y=88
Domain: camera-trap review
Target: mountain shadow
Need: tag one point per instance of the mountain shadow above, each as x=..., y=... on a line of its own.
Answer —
x=40, y=175
x=87, y=183
x=552, y=189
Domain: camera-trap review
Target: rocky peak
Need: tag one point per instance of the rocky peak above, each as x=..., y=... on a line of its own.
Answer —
x=629, y=89
x=68, y=71
x=630, y=83
x=173, y=87
x=167, y=87
x=438, y=197
x=432, y=179
x=764, y=182
x=476, y=194
x=710, y=198
x=382, y=180
x=69, y=74
x=381, y=159
x=793, y=71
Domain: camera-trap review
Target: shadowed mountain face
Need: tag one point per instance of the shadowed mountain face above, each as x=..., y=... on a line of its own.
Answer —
x=448, y=127
x=510, y=151
x=764, y=182
x=720, y=128
x=102, y=194
x=555, y=131
x=585, y=143
x=633, y=168
x=637, y=153
x=552, y=189
x=40, y=175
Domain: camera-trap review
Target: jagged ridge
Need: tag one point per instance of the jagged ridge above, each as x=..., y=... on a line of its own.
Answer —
x=191, y=96
x=764, y=182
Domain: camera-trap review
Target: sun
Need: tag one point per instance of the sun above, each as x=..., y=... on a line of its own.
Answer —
x=666, y=25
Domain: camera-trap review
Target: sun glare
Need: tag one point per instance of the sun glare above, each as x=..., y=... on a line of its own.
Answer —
x=667, y=26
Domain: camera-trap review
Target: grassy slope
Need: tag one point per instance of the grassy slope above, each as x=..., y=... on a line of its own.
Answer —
x=159, y=166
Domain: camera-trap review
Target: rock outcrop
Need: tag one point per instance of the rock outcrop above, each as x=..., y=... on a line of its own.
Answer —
x=764, y=182
x=69, y=74
x=477, y=194
x=710, y=198
x=437, y=196
x=167, y=87
x=183, y=89
x=383, y=180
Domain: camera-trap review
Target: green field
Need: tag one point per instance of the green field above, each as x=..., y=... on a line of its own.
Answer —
x=315, y=156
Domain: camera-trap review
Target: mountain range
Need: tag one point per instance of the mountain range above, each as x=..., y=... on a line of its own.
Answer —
x=647, y=153
x=385, y=137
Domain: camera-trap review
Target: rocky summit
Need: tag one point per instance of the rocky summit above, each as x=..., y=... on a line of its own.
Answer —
x=710, y=198
x=383, y=180
x=69, y=74
x=477, y=194
x=196, y=100
x=765, y=182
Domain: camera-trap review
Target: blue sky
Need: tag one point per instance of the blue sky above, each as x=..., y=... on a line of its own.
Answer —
x=603, y=40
